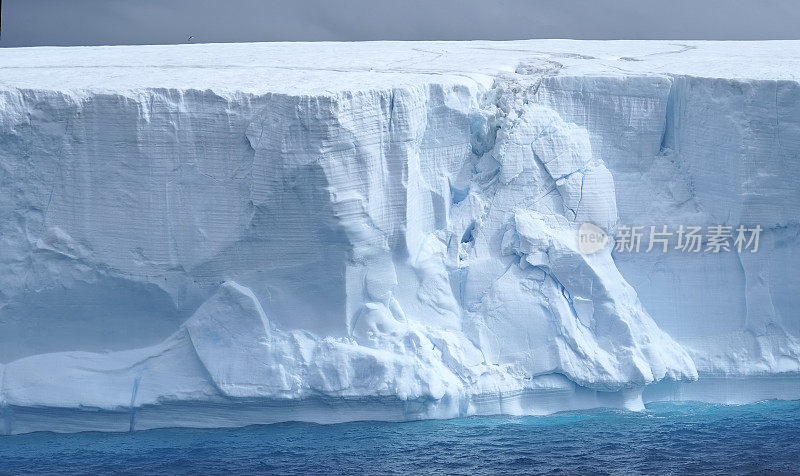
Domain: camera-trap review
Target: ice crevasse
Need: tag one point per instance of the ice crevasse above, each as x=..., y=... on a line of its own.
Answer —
x=216, y=235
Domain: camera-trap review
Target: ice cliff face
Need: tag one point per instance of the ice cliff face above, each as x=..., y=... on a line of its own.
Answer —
x=228, y=234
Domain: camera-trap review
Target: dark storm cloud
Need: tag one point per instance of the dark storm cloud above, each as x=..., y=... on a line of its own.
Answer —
x=93, y=22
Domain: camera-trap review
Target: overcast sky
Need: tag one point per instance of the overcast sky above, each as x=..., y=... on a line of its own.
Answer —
x=99, y=22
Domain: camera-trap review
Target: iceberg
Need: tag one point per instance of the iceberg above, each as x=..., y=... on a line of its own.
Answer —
x=228, y=234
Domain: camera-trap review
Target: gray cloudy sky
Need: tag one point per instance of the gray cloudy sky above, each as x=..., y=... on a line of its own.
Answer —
x=97, y=22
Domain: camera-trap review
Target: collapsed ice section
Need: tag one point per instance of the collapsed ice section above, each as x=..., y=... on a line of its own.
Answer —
x=404, y=248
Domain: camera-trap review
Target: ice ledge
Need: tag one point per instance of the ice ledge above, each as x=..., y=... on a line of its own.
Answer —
x=560, y=396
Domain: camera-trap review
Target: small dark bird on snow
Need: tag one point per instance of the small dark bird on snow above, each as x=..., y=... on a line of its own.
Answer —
x=189, y=40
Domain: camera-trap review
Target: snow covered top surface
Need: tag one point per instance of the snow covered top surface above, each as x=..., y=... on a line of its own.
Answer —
x=315, y=68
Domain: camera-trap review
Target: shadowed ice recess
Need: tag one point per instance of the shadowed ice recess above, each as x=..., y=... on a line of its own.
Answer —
x=220, y=235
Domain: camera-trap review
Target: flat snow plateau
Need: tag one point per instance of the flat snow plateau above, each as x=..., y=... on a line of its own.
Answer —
x=227, y=234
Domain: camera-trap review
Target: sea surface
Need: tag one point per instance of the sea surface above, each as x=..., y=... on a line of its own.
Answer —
x=664, y=439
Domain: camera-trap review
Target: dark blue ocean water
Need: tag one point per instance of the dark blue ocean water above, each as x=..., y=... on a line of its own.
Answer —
x=667, y=438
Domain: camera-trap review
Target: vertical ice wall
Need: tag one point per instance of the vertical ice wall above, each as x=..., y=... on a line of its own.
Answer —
x=415, y=243
x=699, y=151
x=108, y=199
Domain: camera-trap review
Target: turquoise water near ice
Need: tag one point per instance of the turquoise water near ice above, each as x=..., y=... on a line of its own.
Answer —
x=664, y=439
